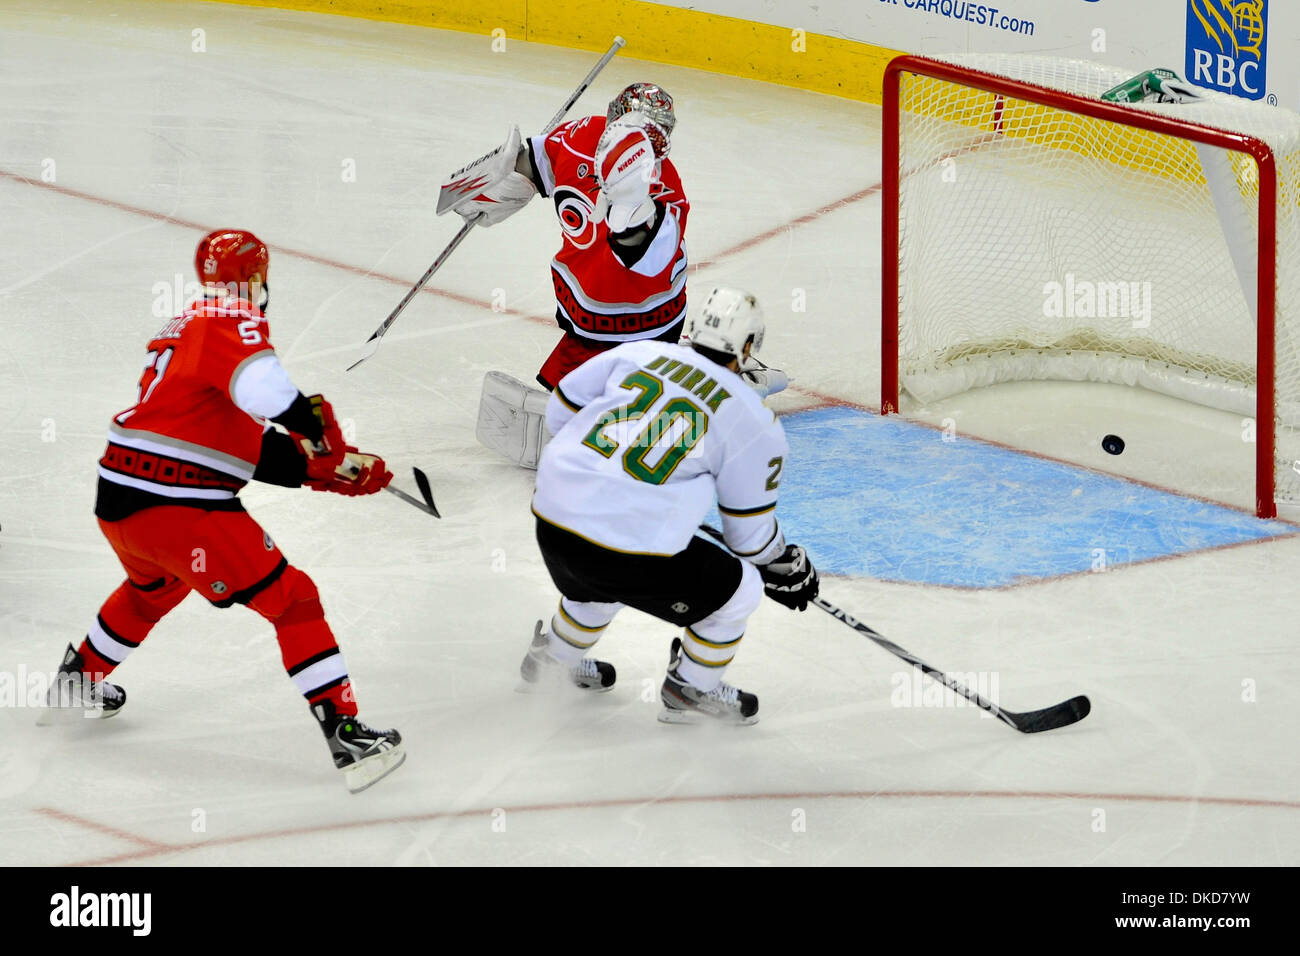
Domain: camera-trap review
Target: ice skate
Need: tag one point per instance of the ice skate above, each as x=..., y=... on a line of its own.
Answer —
x=684, y=704
x=364, y=754
x=75, y=694
x=539, y=669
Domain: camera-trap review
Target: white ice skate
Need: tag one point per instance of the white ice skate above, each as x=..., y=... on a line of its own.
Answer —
x=541, y=671
x=684, y=704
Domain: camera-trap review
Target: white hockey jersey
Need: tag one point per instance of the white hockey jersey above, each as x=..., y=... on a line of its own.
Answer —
x=647, y=436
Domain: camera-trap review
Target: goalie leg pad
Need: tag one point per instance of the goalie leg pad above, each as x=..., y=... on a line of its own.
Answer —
x=512, y=419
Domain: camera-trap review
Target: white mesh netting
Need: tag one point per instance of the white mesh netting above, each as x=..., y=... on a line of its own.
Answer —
x=1036, y=243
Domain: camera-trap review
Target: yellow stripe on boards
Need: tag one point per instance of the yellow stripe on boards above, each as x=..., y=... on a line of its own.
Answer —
x=994, y=120
x=785, y=54
x=478, y=16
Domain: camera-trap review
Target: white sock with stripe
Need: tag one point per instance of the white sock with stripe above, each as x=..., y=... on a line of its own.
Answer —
x=576, y=626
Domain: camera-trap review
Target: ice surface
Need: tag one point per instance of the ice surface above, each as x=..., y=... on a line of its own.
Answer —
x=216, y=760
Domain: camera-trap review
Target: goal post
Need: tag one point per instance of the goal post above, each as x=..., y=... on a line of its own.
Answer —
x=1018, y=206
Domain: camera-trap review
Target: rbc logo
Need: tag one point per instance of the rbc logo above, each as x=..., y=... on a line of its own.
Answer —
x=1227, y=45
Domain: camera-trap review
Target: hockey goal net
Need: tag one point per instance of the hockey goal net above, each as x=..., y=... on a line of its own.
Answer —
x=1033, y=231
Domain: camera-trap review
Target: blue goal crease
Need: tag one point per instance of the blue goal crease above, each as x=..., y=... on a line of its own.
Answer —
x=885, y=498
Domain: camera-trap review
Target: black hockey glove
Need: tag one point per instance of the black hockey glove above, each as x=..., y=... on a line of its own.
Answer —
x=790, y=579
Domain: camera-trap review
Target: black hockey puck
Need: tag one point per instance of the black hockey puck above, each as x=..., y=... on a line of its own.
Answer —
x=1113, y=444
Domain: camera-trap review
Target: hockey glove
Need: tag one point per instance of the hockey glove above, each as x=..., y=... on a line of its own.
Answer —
x=358, y=474
x=489, y=189
x=327, y=454
x=790, y=579
x=625, y=169
x=763, y=378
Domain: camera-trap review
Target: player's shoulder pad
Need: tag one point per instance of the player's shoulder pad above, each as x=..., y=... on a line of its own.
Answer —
x=669, y=176
x=723, y=390
x=236, y=309
x=234, y=321
x=582, y=135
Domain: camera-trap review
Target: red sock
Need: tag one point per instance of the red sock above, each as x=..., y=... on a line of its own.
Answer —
x=340, y=696
x=92, y=662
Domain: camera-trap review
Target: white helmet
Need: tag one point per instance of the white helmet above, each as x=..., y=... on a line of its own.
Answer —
x=730, y=318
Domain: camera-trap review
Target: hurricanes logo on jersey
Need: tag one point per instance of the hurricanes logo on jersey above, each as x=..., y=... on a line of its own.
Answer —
x=577, y=217
x=1227, y=45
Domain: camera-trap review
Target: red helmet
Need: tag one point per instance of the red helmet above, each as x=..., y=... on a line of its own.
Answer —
x=231, y=256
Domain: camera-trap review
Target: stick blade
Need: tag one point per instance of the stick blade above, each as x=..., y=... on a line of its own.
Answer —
x=367, y=350
x=422, y=482
x=1050, y=718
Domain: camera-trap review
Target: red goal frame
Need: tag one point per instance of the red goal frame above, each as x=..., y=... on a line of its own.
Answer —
x=1261, y=152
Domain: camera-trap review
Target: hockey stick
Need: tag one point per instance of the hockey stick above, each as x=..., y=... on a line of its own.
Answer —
x=350, y=470
x=422, y=483
x=372, y=343
x=1030, y=722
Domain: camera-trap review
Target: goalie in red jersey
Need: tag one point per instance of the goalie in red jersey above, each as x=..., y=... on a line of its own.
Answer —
x=620, y=274
x=200, y=429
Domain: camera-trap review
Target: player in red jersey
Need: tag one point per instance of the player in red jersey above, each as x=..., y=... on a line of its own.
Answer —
x=620, y=274
x=200, y=429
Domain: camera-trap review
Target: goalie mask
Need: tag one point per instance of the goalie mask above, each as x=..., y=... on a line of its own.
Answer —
x=730, y=319
x=653, y=103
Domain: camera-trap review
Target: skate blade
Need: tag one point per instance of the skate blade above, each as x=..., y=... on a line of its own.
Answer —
x=65, y=716
x=367, y=773
x=560, y=686
x=670, y=715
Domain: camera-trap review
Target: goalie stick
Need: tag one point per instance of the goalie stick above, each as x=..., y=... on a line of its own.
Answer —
x=1030, y=722
x=372, y=343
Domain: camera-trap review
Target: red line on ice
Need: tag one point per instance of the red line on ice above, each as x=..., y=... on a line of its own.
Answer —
x=153, y=848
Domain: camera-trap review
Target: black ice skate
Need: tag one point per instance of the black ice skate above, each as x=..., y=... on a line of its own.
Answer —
x=76, y=694
x=684, y=704
x=540, y=668
x=364, y=754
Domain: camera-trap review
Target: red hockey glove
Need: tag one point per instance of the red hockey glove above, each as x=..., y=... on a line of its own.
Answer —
x=325, y=456
x=359, y=474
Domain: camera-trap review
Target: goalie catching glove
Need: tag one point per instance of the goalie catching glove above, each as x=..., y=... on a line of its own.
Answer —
x=790, y=578
x=489, y=189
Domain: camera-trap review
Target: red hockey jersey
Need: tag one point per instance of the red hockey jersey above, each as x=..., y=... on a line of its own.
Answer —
x=599, y=297
x=194, y=434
